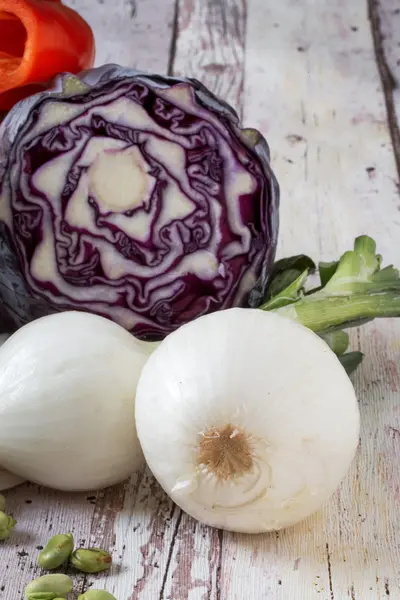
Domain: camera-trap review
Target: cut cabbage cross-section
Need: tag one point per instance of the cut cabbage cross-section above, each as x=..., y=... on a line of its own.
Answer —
x=136, y=197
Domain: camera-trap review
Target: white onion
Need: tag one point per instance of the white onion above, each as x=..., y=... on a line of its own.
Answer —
x=7, y=479
x=247, y=420
x=67, y=393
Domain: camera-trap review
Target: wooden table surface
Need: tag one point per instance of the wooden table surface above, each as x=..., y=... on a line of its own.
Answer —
x=321, y=79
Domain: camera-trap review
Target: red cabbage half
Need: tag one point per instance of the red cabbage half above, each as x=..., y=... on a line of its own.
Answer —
x=133, y=196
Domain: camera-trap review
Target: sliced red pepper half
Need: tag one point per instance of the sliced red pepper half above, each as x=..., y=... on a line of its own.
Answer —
x=38, y=39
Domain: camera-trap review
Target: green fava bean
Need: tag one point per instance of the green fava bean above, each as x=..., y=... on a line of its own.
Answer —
x=96, y=595
x=2, y=503
x=7, y=523
x=58, y=584
x=42, y=596
x=91, y=560
x=57, y=550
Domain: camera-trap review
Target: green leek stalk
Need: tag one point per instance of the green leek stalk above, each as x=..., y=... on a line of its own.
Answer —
x=352, y=291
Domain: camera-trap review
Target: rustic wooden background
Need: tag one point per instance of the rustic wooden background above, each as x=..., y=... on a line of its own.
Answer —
x=321, y=79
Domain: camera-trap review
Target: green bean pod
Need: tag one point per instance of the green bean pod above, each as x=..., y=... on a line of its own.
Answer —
x=57, y=550
x=91, y=560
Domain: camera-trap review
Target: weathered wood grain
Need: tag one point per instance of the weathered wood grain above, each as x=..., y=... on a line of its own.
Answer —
x=40, y=513
x=304, y=73
x=144, y=531
x=385, y=22
x=132, y=33
x=211, y=44
x=313, y=87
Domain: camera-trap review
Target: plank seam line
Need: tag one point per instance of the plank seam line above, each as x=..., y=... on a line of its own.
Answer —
x=174, y=39
x=219, y=568
x=387, y=79
x=328, y=557
x=171, y=550
x=243, y=83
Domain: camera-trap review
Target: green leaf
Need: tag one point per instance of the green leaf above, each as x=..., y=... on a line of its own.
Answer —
x=388, y=274
x=282, y=281
x=326, y=271
x=285, y=271
x=351, y=361
x=338, y=341
x=356, y=266
x=290, y=294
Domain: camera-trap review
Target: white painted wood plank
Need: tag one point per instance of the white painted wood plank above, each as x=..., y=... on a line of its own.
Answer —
x=210, y=46
x=40, y=514
x=313, y=88
x=194, y=569
x=132, y=33
x=144, y=530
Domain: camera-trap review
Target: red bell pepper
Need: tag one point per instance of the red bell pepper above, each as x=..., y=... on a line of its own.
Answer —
x=38, y=39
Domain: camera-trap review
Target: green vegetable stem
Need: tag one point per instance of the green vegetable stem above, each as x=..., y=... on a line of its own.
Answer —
x=357, y=291
x=55, y=585
x=57, y=550
x=2, y=503
x=91, y=560
x=352, y=291
x=6, y=525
